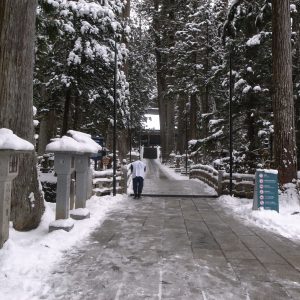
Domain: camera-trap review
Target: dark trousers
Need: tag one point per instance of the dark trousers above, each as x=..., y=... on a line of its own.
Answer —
x=138, y=183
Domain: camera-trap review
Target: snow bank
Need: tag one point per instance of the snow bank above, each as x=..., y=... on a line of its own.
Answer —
x=286, y=222
x=28, y=257
x=10, y=141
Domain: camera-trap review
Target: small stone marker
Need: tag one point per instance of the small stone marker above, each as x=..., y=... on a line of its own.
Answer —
x=266, y=190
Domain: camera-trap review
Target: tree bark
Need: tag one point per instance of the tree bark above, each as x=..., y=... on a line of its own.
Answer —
x=161, y=80
x=17, y=34
x=193, y=117
x=296, y=77
x=164, y=39
x=67, y=110
x=77, y=113
x=48, y=130
x=283, y=104
x=180, y=140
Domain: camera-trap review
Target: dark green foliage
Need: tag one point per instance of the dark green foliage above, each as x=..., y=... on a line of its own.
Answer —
x=75, y=57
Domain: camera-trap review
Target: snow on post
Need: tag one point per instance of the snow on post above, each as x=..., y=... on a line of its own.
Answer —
x=85, y=139
x=79, y=142
x=10, y=141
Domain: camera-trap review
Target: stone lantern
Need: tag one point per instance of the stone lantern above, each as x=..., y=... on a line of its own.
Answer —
x=72, y=155
x=83, y=171
x=177, y=162
x=10, y=148
x=172, y=159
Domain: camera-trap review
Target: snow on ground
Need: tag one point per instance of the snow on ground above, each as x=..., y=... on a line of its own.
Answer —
x=286, y=222
x=27, y=257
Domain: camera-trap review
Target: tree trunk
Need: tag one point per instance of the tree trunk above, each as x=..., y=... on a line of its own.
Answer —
x=164, y=39
x=180, y=140
x=193, y=117
x=67, y=111
x=17, y=34
x=48, y=130
x=77, y=113
x=283, y=105
x=296, y=78
x=161, y=81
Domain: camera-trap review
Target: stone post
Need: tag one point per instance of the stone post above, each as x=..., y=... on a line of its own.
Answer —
x=72, y=193
x=63, y=164
x=90, y=183
x=220, y=182
x=81, y=167
x=8, y=171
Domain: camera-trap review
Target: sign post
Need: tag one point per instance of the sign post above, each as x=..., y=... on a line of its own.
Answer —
x=266, y=190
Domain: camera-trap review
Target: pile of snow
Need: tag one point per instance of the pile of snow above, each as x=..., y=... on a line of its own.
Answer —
x=79, y=142
x=27, y=258
x=10, y=141
x=192, y=142
x=293, y=8
x=86, y=139
x=286, y=222
x=255, y=40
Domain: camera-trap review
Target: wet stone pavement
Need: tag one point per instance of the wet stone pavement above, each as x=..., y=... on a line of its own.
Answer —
x=177, y=248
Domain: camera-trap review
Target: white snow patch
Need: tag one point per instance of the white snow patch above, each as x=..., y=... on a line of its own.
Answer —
x=293, y=8
x=80, y=212
x=239, y=83
x=255, y=40
x=62, y=223
x=246, y=89
x=27, y=258
x=85, y=139
x=286, y=222
x=10, y=141
x=79, y=142
x=257, y=88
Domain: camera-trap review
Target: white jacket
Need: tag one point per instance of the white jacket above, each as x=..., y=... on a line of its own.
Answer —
x=138, y=169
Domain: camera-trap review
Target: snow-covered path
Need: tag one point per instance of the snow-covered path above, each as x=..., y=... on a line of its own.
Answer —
x=176, y=248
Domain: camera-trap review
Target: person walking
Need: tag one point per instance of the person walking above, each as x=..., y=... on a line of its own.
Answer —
x=138, y=169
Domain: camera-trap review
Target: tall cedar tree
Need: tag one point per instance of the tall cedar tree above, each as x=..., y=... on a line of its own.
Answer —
x=283, y=105
x=17, y=35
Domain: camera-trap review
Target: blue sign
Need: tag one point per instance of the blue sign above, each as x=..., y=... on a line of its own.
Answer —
x=266, y=190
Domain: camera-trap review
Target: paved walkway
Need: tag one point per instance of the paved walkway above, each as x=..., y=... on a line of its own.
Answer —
x=177, y=248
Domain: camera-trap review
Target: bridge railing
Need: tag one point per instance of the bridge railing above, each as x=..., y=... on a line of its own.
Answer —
x=242, y=184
